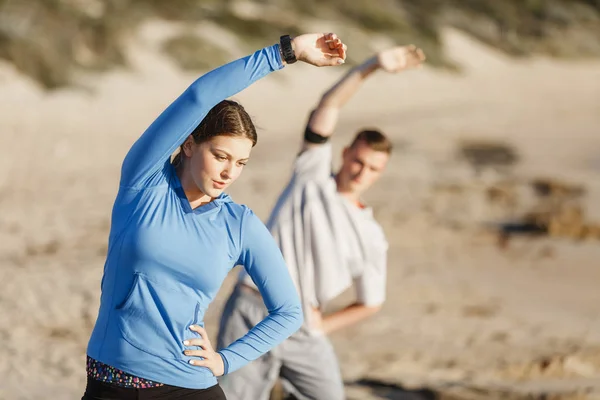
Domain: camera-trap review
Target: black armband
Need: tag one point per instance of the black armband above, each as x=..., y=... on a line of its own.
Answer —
x=312, y=137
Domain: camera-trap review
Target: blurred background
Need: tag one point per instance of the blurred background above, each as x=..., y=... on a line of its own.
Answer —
x=491, y=202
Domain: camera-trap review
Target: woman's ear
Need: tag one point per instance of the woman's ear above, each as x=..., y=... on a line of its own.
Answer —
x=188, y=146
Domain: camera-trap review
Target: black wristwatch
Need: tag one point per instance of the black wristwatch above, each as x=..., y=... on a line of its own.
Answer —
x=287, y=51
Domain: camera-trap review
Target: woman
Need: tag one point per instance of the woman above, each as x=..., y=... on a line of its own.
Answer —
x=175, y=235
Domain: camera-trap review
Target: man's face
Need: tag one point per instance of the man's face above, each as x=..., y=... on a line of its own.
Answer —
x=361, y=167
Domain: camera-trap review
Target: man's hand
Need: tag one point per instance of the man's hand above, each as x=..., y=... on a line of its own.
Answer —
x=315, y=319
x=400, y=58
x=320, y=49
x=340, y=319
x=210, y=358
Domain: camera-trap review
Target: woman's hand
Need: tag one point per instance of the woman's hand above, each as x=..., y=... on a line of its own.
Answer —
x=320, y=49
x=401, y=58
x=210, y=358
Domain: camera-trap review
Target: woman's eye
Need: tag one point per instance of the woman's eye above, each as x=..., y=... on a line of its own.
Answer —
x=221, y=158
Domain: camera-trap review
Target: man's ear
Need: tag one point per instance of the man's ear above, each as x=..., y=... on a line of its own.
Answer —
x=345, y=151
x=188, y=146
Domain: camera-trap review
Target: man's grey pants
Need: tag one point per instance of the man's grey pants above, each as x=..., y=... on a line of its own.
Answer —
x=307, y=364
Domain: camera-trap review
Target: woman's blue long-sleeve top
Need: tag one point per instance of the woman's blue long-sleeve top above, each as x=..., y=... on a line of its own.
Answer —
x=166, y=261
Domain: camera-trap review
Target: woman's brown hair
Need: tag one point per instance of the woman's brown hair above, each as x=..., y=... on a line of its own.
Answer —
x=226, y=118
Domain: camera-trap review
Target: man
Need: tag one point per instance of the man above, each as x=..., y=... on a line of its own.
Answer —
x=330, y=242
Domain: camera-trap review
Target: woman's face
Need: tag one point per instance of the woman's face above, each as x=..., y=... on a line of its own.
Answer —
x=218, y=162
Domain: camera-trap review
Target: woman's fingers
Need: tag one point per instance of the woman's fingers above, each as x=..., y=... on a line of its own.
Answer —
x=331, y=59
x=202, y=332
x=197, y=353
x=330, y=38
x=202, y=341
x=342, y=51
x=199, y=342
x=333, y=42
x=200, y=363
x=338, y=52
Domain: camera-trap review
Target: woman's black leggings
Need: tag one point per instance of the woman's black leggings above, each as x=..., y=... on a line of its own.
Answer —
x=97, y=390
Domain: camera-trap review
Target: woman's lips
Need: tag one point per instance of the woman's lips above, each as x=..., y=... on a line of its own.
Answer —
x=219, y=184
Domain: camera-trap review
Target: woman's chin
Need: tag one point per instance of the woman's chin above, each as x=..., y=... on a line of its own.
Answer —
x=213, y=189
x=214, y=192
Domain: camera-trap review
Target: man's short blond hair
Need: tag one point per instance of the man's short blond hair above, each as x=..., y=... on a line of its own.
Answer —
x=374, y=139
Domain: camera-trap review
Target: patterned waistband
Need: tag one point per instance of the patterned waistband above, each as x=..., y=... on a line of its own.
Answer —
x=101, y=372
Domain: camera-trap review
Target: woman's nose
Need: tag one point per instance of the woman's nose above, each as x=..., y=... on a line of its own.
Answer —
x=226, y=173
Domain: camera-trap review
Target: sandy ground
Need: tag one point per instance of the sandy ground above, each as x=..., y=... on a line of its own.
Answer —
x=465, y=318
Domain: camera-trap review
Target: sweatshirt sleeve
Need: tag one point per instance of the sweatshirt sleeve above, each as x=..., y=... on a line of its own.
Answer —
x=314, y=163
x=263, y=261
x=149, y=153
